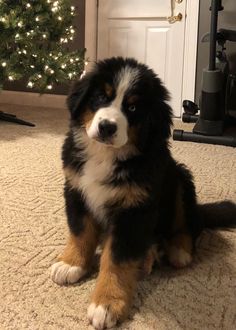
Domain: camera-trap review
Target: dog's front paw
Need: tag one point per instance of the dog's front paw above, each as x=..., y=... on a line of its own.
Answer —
x=102, y=316
x=63, y=273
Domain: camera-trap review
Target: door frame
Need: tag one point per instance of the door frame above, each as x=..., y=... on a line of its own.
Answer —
x=190, y=42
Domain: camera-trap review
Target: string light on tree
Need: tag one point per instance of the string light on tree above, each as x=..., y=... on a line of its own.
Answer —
x=30, y=84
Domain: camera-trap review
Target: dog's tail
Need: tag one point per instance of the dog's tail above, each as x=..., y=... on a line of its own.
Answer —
x=218, y=215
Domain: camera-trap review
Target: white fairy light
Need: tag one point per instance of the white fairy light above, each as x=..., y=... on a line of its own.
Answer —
x=46, y=67
x=49, y=87
x=32, y=66
x=39, y=76
x=70, y=75
x=52, y=71
x=83, y=74
x=72, y=30
x=59, y=18
x=71, y=60
x=20, y=24
x=72, y=8
x=17, y=35
x=44, y=36
x=63, y=66
x=10, y=78
x=4, y=64
x=24, y=51
x=28, y=5
x=2, y=19
x=30, y=84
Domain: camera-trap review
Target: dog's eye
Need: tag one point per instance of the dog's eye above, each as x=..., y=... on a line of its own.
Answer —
x=132, y=108
x=102, y=98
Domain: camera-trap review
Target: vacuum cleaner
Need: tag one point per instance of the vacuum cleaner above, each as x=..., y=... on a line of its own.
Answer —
x=217, y=92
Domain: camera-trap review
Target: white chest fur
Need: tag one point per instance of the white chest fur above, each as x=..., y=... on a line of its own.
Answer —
x=98, y=168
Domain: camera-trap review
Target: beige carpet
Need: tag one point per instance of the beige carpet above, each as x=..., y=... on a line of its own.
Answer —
x=33, y=232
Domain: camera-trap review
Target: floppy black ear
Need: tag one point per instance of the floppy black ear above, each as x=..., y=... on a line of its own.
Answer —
x=78, y=96
x=161, y=116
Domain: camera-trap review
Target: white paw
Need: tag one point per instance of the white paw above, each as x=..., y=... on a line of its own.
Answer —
x=62, y=273
x=179, y=257
x=101, y=317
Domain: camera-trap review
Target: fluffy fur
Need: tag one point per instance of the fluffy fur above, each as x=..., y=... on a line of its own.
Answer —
x=123, y=188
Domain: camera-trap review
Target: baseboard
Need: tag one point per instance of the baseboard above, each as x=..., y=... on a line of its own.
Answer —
x=33, y=99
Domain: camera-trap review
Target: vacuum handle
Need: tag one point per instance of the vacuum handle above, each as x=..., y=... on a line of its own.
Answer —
x=213, y=34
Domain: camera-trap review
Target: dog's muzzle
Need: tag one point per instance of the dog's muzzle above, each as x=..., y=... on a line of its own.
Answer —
x=106, y=129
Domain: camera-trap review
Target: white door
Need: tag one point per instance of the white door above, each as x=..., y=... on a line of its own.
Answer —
x=140, y=29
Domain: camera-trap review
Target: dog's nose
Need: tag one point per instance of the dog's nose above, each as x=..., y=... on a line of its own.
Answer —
x=106, y=128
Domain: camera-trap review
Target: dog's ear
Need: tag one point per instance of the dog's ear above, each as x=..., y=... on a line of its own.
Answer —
x=78, y=96
x=156, y=128
x=161, y=114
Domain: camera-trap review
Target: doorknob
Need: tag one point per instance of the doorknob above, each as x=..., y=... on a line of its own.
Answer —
x=175, y=18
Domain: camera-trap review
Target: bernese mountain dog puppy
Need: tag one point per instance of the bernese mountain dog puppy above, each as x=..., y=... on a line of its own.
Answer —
x=123, y=189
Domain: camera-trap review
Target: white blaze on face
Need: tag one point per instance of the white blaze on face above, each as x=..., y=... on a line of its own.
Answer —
x=113, y=113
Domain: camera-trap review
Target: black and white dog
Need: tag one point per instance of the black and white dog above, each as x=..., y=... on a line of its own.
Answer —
x=122, y=185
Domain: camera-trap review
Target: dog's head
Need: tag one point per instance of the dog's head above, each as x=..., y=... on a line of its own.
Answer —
x=121, y=101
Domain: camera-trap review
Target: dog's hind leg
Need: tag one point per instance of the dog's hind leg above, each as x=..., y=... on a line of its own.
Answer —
x=179, y=250
x=179, y=246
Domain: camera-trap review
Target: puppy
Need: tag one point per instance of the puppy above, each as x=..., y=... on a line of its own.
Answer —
x=122, y=184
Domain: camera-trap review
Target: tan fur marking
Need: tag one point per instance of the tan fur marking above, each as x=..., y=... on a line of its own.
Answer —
x=87, y=118
x=132, y=195
x=116, y=284
x=132, y=99
x=80, y=249
x=108, y=89
x=151, y=257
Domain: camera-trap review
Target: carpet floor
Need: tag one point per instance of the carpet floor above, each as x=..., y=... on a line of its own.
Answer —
x=33, y=231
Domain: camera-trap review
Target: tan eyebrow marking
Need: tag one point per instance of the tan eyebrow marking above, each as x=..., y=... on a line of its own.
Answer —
x=108, y=89
x=132, y=99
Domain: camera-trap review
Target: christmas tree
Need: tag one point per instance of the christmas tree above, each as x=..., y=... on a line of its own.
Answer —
x=34, y=36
